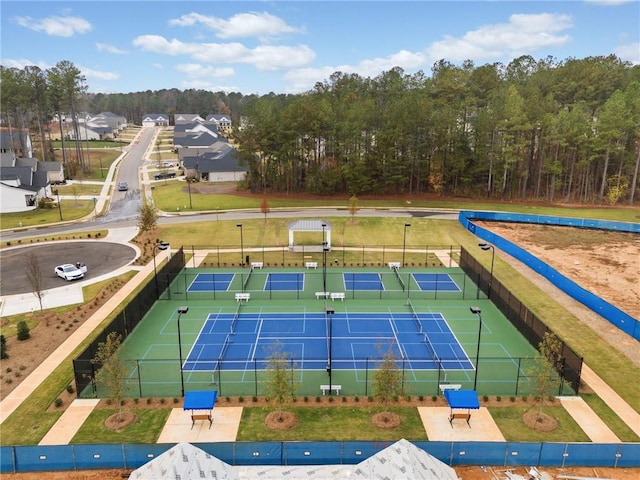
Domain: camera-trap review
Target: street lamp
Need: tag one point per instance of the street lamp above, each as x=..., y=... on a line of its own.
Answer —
x=59, y=207
x=239, y=225
x=158, y=246
x=189, y=188
x=404, y=240
x=330, y=312
x=487, y=246
x=181, y=311
x=325, y=248
x=478, y=312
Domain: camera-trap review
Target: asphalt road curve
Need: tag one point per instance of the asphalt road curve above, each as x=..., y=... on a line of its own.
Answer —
x=101, y=258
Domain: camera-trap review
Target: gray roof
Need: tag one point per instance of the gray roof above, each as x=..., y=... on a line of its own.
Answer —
x=309, y=225
x=222, y=158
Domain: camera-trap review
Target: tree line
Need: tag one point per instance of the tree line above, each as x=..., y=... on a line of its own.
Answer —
x=544, y=130
x=532, y=129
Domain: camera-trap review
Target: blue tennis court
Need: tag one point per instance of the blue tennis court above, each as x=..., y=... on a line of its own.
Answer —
x=362, y=281
x=236, y=341
x=284, y=281
x=211, y=282
x=435, y=282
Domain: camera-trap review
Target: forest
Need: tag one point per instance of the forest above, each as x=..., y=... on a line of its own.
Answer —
x=543, y=130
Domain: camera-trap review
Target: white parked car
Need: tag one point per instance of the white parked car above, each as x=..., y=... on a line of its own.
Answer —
x=70, y=272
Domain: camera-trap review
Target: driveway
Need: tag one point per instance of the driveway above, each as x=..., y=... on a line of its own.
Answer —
x=101, y=258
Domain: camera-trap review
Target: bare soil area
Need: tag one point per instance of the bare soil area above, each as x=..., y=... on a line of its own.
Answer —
x=602, y=262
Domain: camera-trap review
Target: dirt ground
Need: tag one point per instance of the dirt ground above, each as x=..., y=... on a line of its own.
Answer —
x=606, y=263
x=464, y=473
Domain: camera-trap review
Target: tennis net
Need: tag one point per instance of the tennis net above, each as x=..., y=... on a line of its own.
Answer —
x=246, y=280
x=415, y=316
x=396, y=270
x=235, y=318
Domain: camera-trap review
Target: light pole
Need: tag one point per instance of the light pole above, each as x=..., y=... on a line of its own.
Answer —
x=189, y=188
x=487, y=246
x=478, y=312
x=59, y=207
x=181, y=311
x=158, y=246
x=324, y=259
x=239, y=225
x=330, y=312
x=404, y=240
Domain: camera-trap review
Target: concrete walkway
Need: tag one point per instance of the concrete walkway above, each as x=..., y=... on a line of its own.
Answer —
x=589, y=422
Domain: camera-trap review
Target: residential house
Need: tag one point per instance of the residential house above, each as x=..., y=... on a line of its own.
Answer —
x=223, y=122
x=195, y=135
x=179, y=118
x=16, y=140
x=217, y=163
x=23, y=181
x=155, y=120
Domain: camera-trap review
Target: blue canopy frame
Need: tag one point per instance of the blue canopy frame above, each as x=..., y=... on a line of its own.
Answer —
x=461, y=399
x=200, y=400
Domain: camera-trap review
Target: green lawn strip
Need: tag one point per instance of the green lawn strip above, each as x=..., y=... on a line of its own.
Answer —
x=146, y=428
x=71, y=210
x=30, y=421
x=613, y=421
x=78, y=188
x=509, y=421
x=331, y=424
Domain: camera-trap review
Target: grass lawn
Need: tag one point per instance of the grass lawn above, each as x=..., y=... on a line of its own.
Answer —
x=509, y=421
x=146, y=429
x=70, y=210
x=331, y=424
x=613, y=421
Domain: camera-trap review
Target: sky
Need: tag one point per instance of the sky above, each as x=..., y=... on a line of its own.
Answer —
x=289, y=46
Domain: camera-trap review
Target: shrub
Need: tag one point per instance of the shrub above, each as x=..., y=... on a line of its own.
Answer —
x=513, y=399
x=149, y=400
x=23, y=330
x=344, y=399
x=421, y=398
x=58, y=402
x=136, y=400
x=9, y=370
x=305, y=398
x=485, y=398
x=356, y=398
x=370, y=398
x=318, y=399
x=3, y=348
x=254, y=399
x=240, y=399
x=175, y=400
x=331, y=399
x=162, y=401
x=434, y=398
x=498, y=398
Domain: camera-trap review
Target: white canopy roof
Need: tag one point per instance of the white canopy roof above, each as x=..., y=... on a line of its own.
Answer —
x=400, y=461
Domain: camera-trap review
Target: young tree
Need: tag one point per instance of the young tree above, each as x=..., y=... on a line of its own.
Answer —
x=112, y=370
x=544, y=371
x=264, y=208
x=387, y=379
x=34, y=275
x=353, y=206
x=148, y=216
x=280, y=385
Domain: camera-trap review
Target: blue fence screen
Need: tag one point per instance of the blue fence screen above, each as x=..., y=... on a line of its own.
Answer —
x=613, y=314
x=38, y=458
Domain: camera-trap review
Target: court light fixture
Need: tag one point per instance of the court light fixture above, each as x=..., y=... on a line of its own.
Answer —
x=487, y=246
x=478, y=312
x=158, y=246
x=404, y=241
x=181, y=311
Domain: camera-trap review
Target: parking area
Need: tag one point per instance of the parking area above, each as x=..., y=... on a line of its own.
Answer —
x=101, y=257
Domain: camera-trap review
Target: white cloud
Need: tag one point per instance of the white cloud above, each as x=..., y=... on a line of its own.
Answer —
x=262, y=57
x=90, y=73
x=56, y=26
x=20, y=63
x=105, y=47
x=251, y=24
x=196, y=70
x=629, y=53
x=523, y=33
